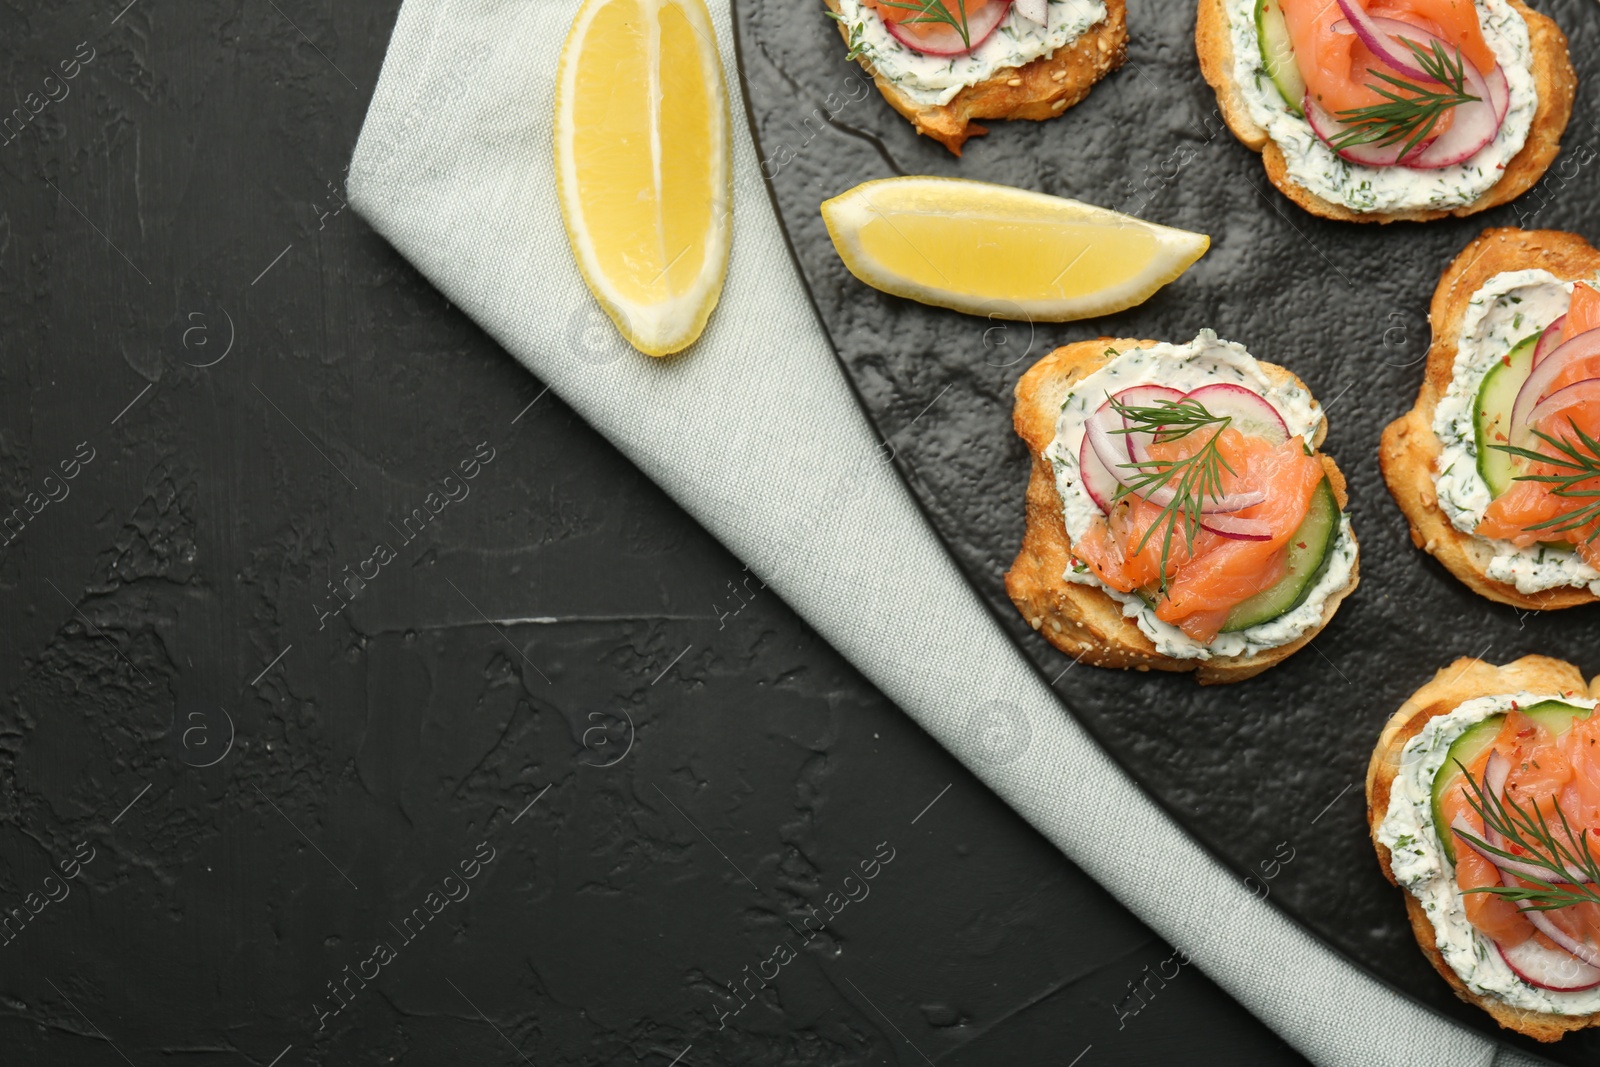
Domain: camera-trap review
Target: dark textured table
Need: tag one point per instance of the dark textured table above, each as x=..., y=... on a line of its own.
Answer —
x=361, y=705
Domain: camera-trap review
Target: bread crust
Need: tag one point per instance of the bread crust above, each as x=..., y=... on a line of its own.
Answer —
x=1555, y=82
x=1038, y=90
x=1409, y=449
x=1080, y=620
x=1464, y=680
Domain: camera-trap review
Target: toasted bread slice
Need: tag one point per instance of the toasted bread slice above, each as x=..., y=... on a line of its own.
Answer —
x=1409, y=449
x=1464, y=680
x=1081, y=620
x=1041, y=89
x=1554, y=81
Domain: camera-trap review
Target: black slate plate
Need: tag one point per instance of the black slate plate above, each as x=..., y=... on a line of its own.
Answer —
x=1272, y=767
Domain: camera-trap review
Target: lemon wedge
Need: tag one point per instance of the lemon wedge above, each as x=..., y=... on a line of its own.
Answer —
x=643, y=164
x=1007, y=253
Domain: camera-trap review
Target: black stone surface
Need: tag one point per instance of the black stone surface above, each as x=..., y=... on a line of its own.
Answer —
x=255, y=787
x=1280, y=758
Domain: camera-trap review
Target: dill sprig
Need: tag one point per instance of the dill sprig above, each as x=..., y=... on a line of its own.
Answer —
x=1410, y=111
x=1193, y=479
x=1528, y=829
x=936, y=12
x=1580, y=467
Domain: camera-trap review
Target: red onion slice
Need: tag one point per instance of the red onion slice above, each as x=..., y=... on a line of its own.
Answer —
x=1583, y=346
x=1372, y=33
x=1495, y=773
x=1548, y=968
x=1252, y=414
x=942, y=40
x=1103, y=432
x=1584, y=392
x=1549, y=341
x=1235, y=528
x=1520, y=868
x=1222, y=505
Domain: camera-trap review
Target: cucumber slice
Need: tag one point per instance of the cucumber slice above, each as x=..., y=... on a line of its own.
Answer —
x=1491, y=414
x=1277, y=53
x=1468, y=747
x=1308, y=558
x=1553, y=715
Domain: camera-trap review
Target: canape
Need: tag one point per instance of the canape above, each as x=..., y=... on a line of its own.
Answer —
x=1179, y=515
x=1483, y=802
x=1497, y=466
x=946, y=65
x=1378, y=110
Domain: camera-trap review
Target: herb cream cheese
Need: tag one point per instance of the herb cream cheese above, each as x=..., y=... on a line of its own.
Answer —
x=1204, y=361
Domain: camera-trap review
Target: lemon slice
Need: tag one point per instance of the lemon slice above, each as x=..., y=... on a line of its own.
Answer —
x=1007, y=253
x=643, y=163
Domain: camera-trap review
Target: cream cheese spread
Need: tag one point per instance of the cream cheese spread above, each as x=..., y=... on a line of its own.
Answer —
x=1203, y=361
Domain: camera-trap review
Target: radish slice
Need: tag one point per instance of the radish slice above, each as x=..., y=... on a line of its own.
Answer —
x=1583, y=346
x=1549, y=341
x=1474, y=127
x=1499, y=92
x=1326, y=127
x=1034, y=11
x=1098, y=481
x=1584, y=392
x=1252, y=413
x=1548, y=968
x=938, y=39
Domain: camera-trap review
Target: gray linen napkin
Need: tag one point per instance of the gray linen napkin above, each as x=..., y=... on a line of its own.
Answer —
x=756, y=433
